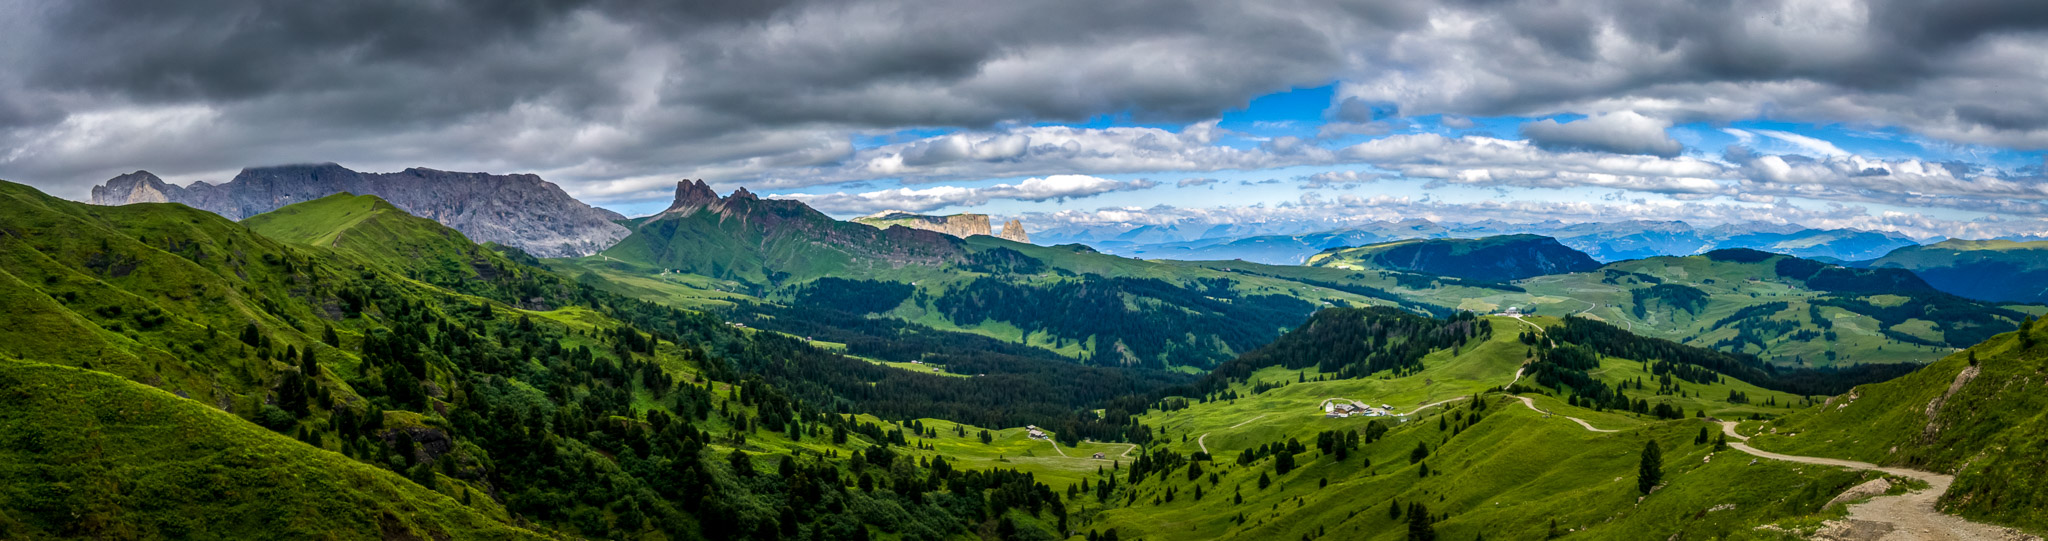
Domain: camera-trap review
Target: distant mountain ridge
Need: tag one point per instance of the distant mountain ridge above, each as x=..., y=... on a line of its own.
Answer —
x=521, y=211
x=1988, y=270
x=1495, y=259
x=958, y=225
x=1292, y=244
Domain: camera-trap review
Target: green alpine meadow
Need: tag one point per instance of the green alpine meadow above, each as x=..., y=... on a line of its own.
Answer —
x=1031, y=270
x=748, y=368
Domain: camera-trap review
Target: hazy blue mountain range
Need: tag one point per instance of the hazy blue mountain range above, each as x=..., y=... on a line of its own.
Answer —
x=1604, y=241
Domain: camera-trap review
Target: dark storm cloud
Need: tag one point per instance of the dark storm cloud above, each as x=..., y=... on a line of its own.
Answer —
x=599, y=90
x=617, y=97
x=1926, y=65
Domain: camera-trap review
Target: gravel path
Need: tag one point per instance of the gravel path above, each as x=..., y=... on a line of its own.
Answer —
x=1249, y=421
x=1526, y=401
x=1905, y=517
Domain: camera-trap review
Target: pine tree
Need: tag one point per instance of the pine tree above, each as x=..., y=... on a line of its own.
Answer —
x=1420, y=527
x=1652, y=469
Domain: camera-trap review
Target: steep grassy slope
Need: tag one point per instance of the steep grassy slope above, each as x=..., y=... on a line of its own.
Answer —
x=368, y=227
x=158, y=292
x=1494, y=259
x=1989, y=270
x=1986, y=422
x=378, y=233
x=89, y=454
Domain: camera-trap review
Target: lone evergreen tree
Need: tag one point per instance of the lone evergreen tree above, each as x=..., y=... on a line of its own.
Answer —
x=1420, y=527
x=1652, y=470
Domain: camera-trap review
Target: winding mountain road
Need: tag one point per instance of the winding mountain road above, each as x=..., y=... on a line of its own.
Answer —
x=1204, y=444
x=1906, y=516
x=1431, y=405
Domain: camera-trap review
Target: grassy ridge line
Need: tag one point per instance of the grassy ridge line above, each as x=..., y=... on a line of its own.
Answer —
x=150, y=283
x=1608, y=294
x=89, y=454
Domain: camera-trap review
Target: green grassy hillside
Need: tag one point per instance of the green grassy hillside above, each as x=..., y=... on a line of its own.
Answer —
x=737, y=251
x=770, y=242
x=1497, y=468
x=1985, y=422
x=1786, y=310
x=1492, y=259
x=375, y=232
x=368, y=227
x=547, y=401
x=160, y=293
x=89, y=454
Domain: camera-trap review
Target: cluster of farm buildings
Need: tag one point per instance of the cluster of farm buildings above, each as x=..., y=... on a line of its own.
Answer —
x=1334, y=409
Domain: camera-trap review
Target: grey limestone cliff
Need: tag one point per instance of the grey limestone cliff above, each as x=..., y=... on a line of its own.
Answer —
x=520, y=211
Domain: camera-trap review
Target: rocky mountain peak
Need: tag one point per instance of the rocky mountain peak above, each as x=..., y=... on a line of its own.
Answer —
x=136, y=187
x=1014, y=230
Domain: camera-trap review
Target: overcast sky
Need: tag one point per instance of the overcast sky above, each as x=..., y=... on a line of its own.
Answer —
x=1918, y=116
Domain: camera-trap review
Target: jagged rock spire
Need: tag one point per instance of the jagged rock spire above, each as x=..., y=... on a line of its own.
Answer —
x=1014, y=230
x=693, y=194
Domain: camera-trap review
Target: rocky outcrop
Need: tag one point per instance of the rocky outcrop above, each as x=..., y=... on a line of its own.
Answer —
x=521, y=211
x=1013, y=230
x=958, y=225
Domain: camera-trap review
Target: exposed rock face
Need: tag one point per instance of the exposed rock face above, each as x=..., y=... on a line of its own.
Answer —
x=958, y=225
x=1014, y=230
x=521, y=211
